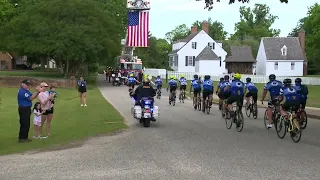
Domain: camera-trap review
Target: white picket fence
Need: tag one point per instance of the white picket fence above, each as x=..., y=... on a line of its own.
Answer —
x=254, y=78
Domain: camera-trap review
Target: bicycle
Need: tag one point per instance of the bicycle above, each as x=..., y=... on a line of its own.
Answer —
x=172, y=101
x=302, y=118
x=197, y=102
x=237, y=118
x=182, y=95
x=158, y=93
x=290, y=124
x=251, y=108
x=275, y=116
x=207, y=104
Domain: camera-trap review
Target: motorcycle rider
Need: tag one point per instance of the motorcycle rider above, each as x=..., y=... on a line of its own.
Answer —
x=208, y=88
x=143, y=91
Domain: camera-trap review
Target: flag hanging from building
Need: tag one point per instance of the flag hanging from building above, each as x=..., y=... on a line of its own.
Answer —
x=138, y=29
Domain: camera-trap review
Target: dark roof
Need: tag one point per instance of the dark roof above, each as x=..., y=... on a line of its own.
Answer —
x=174, y=51
x=273, y=45
x=240, y=54
x=207, y=54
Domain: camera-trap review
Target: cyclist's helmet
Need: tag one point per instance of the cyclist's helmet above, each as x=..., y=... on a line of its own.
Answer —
x=298, y=80
x=287, y=82
x=206, y=77
x=182, y=75
x=131, y=75
x=272, y=77
x=237, y=76
x=158, y=76
x=226, y=77
x=171, y=77
x=195, y=76
x=221, y=79
x=248, y=80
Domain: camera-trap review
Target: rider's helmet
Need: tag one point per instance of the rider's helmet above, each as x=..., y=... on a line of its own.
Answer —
x=221, y=79
x=298, y=80
x=171, y=77
x=248, y=79
x=272, y=77
x=146, y=76
x=226, y=77
x=206, y=77
x=158, y=76
x=287, y=82
x=237, y=76
x=131, y=75
x=182, y=75
x=195, y=76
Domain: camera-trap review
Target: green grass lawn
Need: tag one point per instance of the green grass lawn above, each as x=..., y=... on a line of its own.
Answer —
x=33, y=73
x=70, y=122
x=313, y=97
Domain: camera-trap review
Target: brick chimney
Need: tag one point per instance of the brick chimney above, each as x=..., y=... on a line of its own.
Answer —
x=302, y=40
x=194, y=29
x=205, y=26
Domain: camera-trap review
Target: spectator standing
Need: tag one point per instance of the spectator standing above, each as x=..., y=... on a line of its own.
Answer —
x=25, y=98
x=45, y=99
x=82, y=89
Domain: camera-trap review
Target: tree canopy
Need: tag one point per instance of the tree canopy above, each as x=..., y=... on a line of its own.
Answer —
x=210, y=3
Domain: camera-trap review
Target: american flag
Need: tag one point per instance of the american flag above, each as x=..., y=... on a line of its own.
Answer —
x=138, y=29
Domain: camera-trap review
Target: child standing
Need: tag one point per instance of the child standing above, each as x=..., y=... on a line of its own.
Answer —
x=37, y=120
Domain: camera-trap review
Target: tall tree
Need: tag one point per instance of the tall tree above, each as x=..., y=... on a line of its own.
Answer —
x=300, y=24
x=255, y=23
x=216, y=29
x=210, y=3
x=7, y=12
x=179, y=32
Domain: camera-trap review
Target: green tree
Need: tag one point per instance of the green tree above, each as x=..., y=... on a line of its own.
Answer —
x=75, y=39
x=179, y=32
x=216, y=29
x=255, y=23
x=210, y=3
x=7, y=12
x=295, y=31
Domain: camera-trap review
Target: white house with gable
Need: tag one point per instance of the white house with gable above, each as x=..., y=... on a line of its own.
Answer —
x=198, y=53
x=282, y=56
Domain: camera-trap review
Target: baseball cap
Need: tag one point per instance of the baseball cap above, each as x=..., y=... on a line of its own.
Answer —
x=43, y=84
x=26, y=81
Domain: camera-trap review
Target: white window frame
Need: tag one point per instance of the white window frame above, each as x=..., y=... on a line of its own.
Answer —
x=292, y=65
x=175, y=61
x=276, y=65
x=194, y=45
x=190, y=60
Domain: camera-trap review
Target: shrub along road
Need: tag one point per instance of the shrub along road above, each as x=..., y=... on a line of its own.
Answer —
x=182, y=144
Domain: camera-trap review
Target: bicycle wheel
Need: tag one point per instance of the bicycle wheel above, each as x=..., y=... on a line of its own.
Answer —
x=265, y=119
x=281, y=125
x=254, y=111
x=180, y=97
x=248, y=109
x=194, y=103
x=207, y=106
x=239, y=121
x=303, y=119
x=183, y=96
x=296, y=133
x=199, y=104
x=228, y=120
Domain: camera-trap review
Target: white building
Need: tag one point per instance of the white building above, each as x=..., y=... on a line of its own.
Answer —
x=198, y=53
x=282, y=56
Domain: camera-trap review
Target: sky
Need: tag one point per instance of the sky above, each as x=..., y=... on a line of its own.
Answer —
x=165, y=15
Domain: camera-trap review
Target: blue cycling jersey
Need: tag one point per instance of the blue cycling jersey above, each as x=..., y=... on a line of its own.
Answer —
x=131, y=79
x=274, y=88
x=290, y=94
x=303, y=95
x=237, y=88
x=196, y=84
x=208, y=85
x=173, y=83
x=183, y=81
x=158, y=81
x=224, y=84
x=251, y=87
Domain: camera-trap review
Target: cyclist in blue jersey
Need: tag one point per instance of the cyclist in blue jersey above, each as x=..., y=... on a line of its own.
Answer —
x=291, y=96
x=217, y=92
x=132, y=81
x=224, y=93
x=183, y=84
x=207, y=91
x=302, y=91
x=158, y=82
x=172, y=85
x=236, y=89
x=274, y=88
x=252, y=92
x=196, y=86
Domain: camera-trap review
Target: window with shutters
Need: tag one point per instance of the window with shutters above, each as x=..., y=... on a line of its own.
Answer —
x=190, y=61
x=171, y=61
x=211, y=45
x=194, y=45
x=175, y=60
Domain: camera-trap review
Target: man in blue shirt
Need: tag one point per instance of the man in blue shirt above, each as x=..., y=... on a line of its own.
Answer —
x=302, y=91
x=196, y=86
x=252, y=92
x=172, y=85
x=236, y=90
x=25, y=98
x=207, y=91
x=274, y=88
x=158, y=82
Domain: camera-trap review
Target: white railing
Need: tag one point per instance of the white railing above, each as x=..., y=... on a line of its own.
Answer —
x=254, y=78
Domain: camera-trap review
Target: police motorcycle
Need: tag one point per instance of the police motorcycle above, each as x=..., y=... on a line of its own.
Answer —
x=115, y=80
x=146, y=111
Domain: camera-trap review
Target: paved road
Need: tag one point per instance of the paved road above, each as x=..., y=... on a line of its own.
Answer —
x=182, y=144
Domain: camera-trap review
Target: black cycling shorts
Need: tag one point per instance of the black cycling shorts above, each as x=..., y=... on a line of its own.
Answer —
x=159, y=86
x=291, y=104
x=131, y=84
x=205, y=94
x=196, y=92
x=184, y=87
x=274, y=101
x=238, y=99
x=254, y=96
x=173, y=88
x=224, y=95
